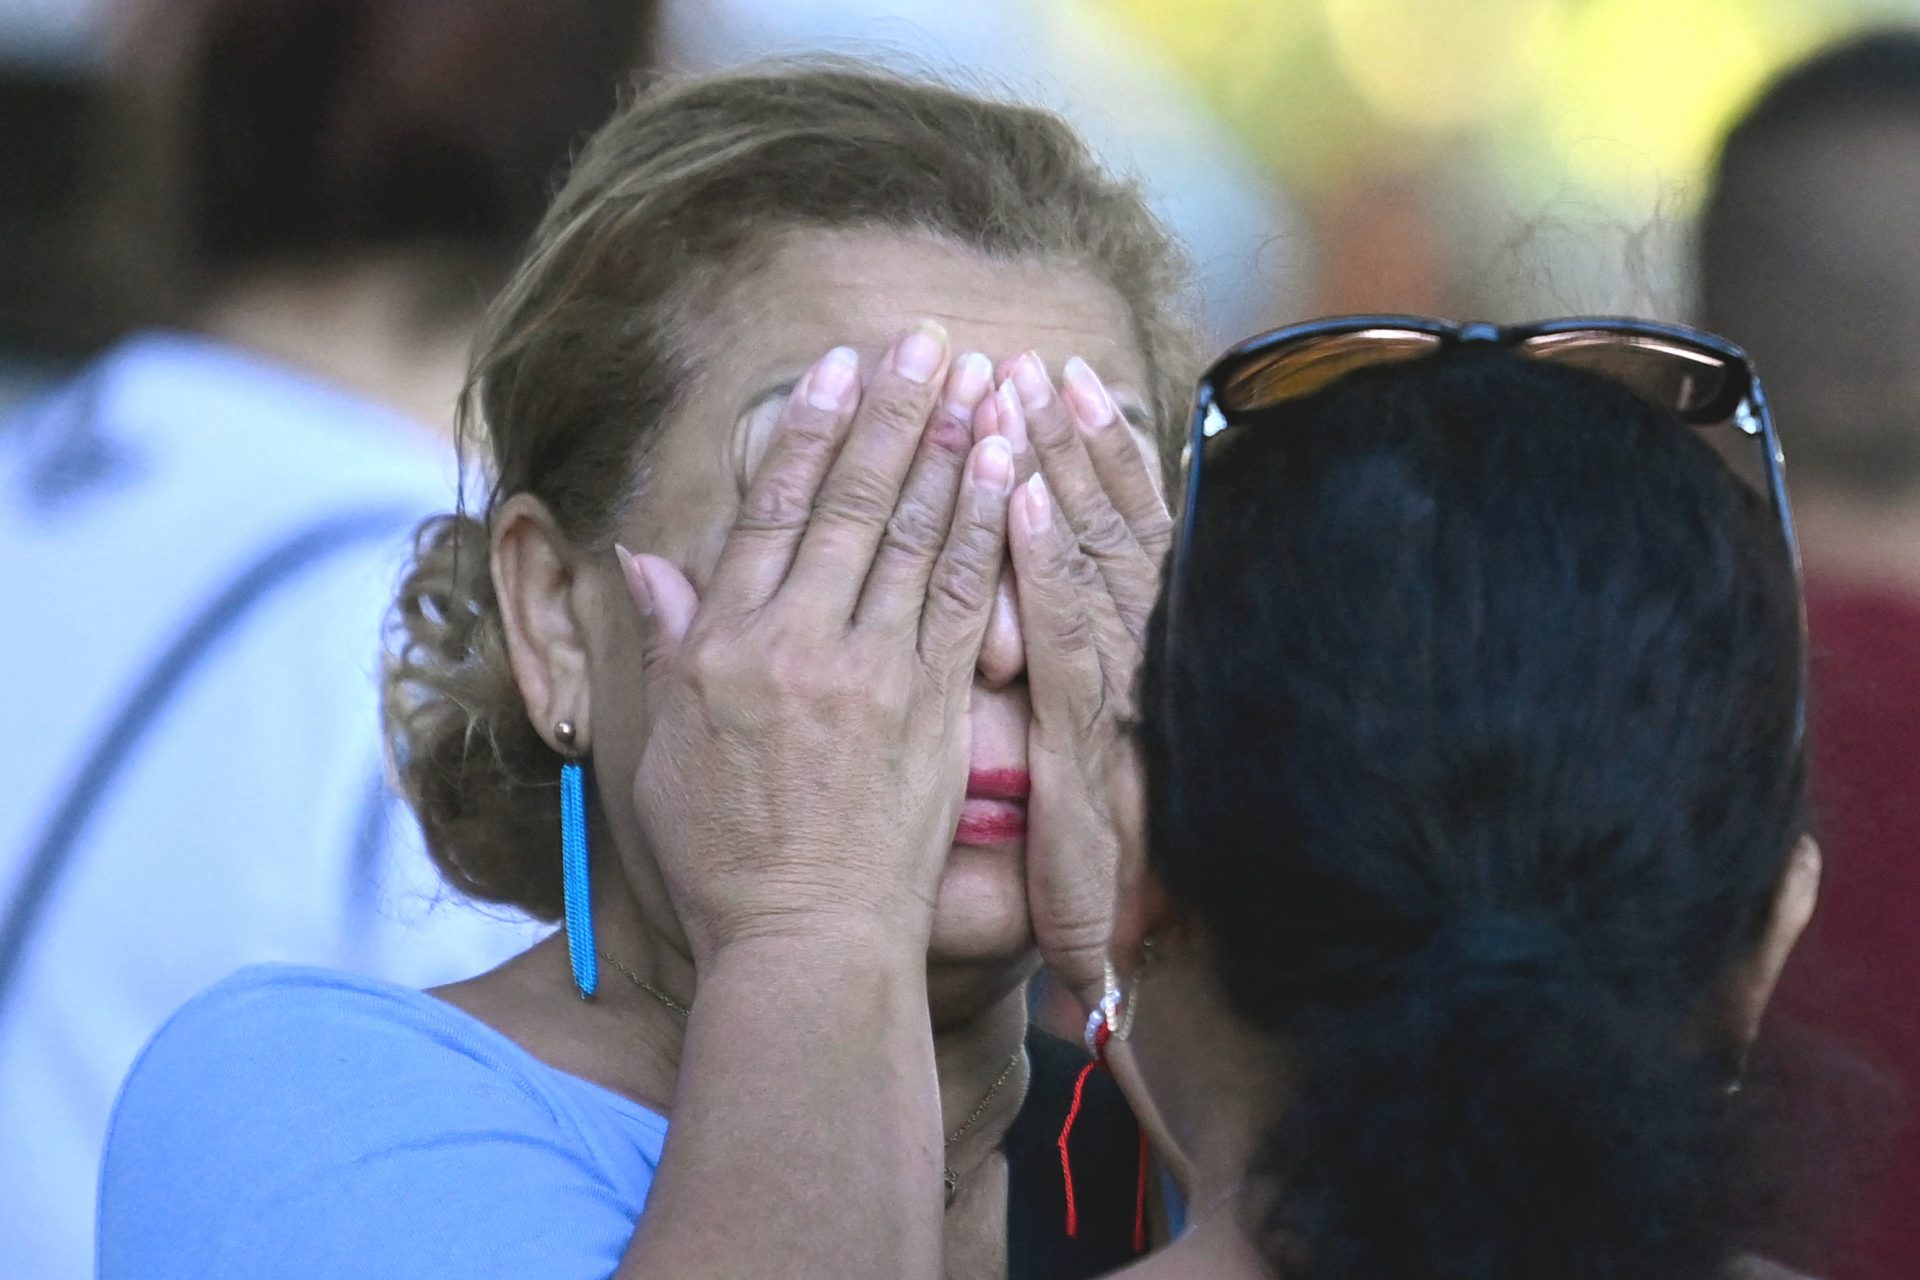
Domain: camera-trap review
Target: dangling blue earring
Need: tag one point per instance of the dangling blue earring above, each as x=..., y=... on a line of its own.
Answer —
x=575, y=894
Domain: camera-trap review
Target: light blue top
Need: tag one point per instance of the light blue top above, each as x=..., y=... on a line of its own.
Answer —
x=297, y=1122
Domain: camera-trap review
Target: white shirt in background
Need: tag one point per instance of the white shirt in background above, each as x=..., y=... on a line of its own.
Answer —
x=197, y=548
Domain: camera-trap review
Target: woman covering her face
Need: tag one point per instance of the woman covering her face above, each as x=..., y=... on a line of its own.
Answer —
x=743, y=672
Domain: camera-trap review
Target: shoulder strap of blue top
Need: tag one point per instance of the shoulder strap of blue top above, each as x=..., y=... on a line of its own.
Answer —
x=92, y=781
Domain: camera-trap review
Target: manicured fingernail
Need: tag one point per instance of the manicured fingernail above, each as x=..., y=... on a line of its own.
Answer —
x=993, y=466
x=1013, y=419
x=1039, y=504
x=918, y=356
x=967, y=384
x=1030, y=377
x=831, y=382
x=636, y=580
x=1092, y=405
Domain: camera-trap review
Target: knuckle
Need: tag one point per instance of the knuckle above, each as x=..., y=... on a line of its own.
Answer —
x=1052, y=430
x=949, y=436
x=897, y=410
x=780, y=504
x=1083, y=573
x=711, y=672
x=1106, y=533
x=915, y=530
x=959, y=589
x=1157, y=523
x=1096, y=714
x=1073, y=633
x=860, y=496
x=700, y=665
x=974, y=551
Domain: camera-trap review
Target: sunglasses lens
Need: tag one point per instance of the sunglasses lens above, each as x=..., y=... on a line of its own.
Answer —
x=1304, y=366
x=1701, y=386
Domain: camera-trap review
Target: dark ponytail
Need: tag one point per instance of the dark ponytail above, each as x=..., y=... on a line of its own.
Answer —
x=1474, y=762
x=1494, y=1119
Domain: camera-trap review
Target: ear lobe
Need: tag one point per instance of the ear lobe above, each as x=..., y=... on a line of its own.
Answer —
x=536, y=578
x=1793, y=904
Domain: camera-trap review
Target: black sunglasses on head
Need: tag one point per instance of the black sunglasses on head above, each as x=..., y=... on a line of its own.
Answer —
x=1705, y=380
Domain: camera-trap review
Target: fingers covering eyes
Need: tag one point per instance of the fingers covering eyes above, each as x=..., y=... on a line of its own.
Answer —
x=918, y=530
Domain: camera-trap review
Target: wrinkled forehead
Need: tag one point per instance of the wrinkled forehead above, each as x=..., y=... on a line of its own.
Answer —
x=806, y=291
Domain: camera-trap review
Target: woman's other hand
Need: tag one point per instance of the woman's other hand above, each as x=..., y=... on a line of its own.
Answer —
x=1088, y=532
x=808, y=747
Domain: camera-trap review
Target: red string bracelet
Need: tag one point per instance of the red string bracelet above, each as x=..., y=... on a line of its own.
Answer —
x=1099, y=1060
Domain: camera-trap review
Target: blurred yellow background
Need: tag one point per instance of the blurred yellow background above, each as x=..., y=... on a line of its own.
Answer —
x=1493, y=155
x=1610, y=93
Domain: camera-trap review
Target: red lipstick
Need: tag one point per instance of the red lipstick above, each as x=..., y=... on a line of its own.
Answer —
x=999, y=784
x=995, y=810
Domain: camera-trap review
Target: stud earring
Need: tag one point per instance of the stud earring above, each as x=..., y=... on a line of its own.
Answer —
x=575, y=894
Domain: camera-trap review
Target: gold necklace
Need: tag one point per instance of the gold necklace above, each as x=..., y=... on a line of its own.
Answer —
x=951, y=1178
x=648, y=987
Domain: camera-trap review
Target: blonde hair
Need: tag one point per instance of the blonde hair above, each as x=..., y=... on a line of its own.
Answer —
x=584, y=355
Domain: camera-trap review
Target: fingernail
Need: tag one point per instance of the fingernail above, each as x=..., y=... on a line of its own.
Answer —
x=993, y=466
x=918, y=356
x=972, y=375
x=1092, y=405
x=1013, y=419
x=1039, y=504
x=636, y=580
x=831, y=382
x=986, y=417
x=1030, y=377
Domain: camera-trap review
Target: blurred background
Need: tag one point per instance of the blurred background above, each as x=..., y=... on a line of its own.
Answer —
x=1496, y=157
x=323, y=193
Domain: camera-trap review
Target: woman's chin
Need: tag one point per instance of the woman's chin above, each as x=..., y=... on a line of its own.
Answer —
x=981, y=916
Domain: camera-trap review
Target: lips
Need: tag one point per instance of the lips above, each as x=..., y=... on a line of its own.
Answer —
x=995, y=810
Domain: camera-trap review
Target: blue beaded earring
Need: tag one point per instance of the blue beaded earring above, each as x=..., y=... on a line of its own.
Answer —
x=575, y=895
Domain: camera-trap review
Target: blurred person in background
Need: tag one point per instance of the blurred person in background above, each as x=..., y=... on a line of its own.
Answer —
x=201, y=528
x=1810, y=257
x=70, y=278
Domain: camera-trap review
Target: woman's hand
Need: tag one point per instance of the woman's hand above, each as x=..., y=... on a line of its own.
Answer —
x=808, y=747
x=1088, y=532
x=803, y=772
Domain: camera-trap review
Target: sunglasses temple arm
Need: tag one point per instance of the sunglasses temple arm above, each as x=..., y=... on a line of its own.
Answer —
x=1189, y=504
x=1776, y=468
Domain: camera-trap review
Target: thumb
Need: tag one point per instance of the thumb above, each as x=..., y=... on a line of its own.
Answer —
x=666, y=601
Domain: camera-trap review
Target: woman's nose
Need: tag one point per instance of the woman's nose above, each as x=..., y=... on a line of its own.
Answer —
x=1003, y=654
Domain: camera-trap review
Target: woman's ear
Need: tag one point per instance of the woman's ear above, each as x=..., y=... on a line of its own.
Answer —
x=1754, y=980
x=538, y=579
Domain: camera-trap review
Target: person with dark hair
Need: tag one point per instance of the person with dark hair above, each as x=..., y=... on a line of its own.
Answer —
x=201, y=528
x=1810, y=257
x=1462, y=823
